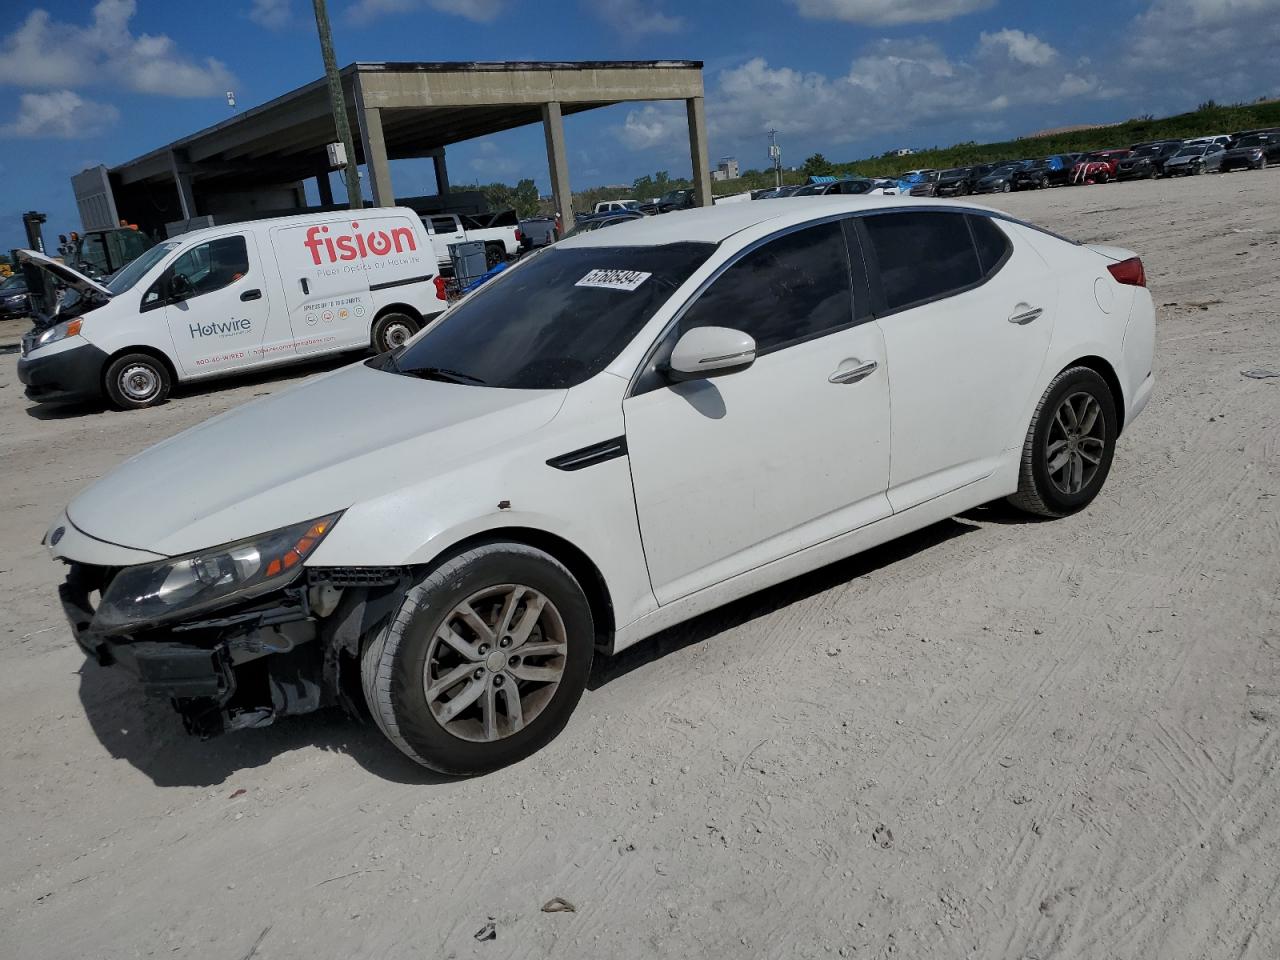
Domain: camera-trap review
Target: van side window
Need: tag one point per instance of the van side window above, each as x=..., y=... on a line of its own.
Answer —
x=206, y=267
x=921, y=256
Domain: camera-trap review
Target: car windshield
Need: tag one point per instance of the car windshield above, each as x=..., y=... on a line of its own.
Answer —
x=1195, y=151
x=953, y=174
x=13, y=284
x=674, y=196
x=1145, y=151
x=1003, y=171
x=1251, y=142
x=1037, y=165
x=137, y=269
x=810, y=190
x=551, y=323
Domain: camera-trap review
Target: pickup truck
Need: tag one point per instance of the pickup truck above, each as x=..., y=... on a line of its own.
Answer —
x=612, y=206
x=500, y=233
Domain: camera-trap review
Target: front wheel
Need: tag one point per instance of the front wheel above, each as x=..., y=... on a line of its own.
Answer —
x=392, y=330
x=494, y=254
x=484, y=662
x=137, y=380
x=1069, y=446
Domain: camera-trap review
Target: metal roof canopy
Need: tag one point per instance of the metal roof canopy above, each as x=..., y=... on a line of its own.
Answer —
x=415, y=110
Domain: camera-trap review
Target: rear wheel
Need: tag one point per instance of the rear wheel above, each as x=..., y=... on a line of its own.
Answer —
x=137, y=380
x=494, y=254
x=485, y=661
x=391, y=331
x=1069, y=446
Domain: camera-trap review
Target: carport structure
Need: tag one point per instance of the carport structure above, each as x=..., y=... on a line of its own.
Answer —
x=255, y=162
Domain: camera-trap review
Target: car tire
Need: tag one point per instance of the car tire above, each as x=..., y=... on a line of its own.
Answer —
x=1074, y=423
x=1043, y=184
x=137, y=380
x=494, y=254
x=391, y=330
x=487, y=733
x=1262, y=164
x=1006, y=187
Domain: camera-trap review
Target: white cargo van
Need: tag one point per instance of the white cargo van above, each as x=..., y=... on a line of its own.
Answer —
x=233, y=298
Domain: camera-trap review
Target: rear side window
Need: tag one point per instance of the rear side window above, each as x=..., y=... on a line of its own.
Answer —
x=992, y=243
x=921, y=256
x=790, y=289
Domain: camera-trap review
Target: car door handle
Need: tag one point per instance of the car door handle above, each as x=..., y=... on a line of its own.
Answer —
x=251, y=295
x=1026, y=316
x=306, y=288
x=854, y=373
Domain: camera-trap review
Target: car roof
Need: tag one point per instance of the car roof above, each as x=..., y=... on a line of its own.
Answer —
x=716, y=224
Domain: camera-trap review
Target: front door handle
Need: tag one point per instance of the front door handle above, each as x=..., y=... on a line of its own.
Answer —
x=1025, y=316
x=855, y=373
x=251, y=295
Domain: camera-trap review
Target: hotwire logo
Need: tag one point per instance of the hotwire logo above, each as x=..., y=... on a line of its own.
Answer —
x=357, y=246
x=220, y=328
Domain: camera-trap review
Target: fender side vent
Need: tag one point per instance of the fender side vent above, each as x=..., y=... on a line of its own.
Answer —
x=354, y=576
x=590, y=456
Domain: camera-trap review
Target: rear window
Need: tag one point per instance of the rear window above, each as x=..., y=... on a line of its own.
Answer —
x=551, y=323
x=922, y=256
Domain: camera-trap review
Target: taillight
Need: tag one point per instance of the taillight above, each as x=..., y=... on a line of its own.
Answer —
x=1129, y=271
x=519, y=235
x=441, y=293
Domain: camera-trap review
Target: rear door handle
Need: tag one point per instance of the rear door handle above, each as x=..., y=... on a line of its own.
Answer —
x=855, y=373
x=1026, y=316
x=251, y=295
x=305, y=287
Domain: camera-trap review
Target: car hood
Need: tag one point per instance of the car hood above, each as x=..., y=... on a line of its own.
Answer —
x=74, y=279
x=317, y=448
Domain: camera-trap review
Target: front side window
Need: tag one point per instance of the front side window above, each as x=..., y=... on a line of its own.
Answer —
x=553, y=322
x=790, y=289
x=921, y=256
x=137, y=269
x=443, y=225
x=204, y=268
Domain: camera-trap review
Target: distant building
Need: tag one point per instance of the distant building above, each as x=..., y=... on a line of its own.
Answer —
x=726, y=169
x=903, y=152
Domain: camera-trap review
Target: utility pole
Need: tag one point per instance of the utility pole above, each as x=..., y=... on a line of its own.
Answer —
x=775, y=154
x=355, y=199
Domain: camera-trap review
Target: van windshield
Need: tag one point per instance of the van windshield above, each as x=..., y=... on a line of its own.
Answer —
x=553, y=322
x=137, y=269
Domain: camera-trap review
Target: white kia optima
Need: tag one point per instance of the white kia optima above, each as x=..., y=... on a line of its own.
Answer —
x=625, y=430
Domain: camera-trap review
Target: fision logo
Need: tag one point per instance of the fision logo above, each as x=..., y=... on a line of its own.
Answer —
x=228, y=328
x=357, y=246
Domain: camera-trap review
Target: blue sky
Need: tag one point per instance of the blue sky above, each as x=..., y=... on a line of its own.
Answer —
x=85, y=83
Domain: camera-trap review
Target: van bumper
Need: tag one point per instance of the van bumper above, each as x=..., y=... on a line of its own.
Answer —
x=74, y=374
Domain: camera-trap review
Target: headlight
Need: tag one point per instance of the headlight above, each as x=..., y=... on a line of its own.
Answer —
x=154, y=592
x=58, y=332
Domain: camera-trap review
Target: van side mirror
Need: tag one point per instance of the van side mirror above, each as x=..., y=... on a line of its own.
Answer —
x=179, y=287
x=711, y=352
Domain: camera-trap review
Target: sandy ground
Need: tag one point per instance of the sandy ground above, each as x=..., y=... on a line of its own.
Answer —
x=995, y=739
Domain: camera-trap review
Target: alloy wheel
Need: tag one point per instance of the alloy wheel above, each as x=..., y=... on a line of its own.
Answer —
x=495, y=662
x=1075, y=442
x=395, y=335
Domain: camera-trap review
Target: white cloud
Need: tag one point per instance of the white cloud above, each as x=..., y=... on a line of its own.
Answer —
x=634, y=17
x=59, y=114
x=889, y=12
x=1019, y=46
x=479, y=11
x=272, y=14
x=656, y=125
x=44, y=53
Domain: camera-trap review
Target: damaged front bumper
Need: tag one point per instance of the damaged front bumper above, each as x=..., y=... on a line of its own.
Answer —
x=242, y=667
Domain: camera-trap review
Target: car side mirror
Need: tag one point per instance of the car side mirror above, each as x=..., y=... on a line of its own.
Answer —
x=711, y=352
x=179, y=287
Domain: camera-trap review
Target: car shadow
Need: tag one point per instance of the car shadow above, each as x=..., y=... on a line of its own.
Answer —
x=149, y=735
x=66, y=409
x=735, y=614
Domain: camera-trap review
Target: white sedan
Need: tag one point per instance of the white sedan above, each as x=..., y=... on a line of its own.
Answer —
x=630, y=428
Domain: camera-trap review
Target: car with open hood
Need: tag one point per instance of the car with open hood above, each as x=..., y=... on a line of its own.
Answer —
x=999, y=179
x=634, y=426
x=1098, y=167
x=227, y=300
x=1054, y=171
x=1195, y=159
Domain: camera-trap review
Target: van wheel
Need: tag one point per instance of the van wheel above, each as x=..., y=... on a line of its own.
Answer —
x=392, y=330
x=137, y=380
x=1069, y=446
x=484, y=662
x=494, y=254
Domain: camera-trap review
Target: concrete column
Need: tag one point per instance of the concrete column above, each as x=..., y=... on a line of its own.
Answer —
x=442, y=172
x=324, y=187
x=182, y=180
x=698, y=150
x=553, y=125
x=376, y=164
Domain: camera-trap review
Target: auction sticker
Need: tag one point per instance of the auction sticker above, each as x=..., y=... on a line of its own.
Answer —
x=627, y=280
